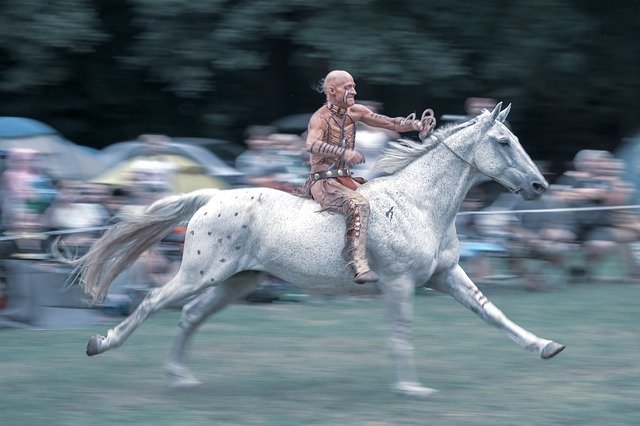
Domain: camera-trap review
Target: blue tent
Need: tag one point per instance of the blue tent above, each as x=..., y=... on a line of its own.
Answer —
x=20, y=127
x=63, y=159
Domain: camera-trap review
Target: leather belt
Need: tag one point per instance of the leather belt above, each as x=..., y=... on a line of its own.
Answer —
x=331, y=174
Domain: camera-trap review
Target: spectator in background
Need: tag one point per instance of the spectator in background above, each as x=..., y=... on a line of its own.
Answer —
x=596, y=181
x=80, y=206
x=476, y=247
x=150, y=180
x=117, y=198
x=290, y=156
x=371, y=142
x=162, y=262
x=540, y=242
x=150, y=176
x=156, y=144
x=473, y=106
x=272, y=160
x=254, y=162
x=26, y=192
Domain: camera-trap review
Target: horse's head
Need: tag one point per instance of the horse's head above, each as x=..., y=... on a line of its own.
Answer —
x=497, y=153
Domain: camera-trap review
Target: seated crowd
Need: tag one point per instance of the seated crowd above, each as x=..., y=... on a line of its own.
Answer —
x=573, y=228
x=576, y=218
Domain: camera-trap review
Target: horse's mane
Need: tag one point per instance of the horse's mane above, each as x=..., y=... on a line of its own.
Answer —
x=399, y=153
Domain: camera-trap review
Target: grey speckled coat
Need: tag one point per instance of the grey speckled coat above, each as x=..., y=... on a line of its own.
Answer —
x=412, y=242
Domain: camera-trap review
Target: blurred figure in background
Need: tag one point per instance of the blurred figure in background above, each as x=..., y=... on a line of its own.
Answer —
x=596, y=181
x=476, y=246
x=26, y=192
x=271, y=159
x=255, y=162
x=156, y=144
x=149, y=181
x=540, y=243
x=117, y=198
x=371, y=142
x=289, y=162
x=150, y=177
x=161, y=263
x=473, y=107
x=80, y=206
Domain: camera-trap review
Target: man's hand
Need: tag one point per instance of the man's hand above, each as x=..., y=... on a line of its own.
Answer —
x=351, y=156
x=427, y=123
x=411, y=120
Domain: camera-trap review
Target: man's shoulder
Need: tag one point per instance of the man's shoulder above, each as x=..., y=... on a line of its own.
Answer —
x=321, y=110
x=317, y=123
x=318, y=117
x=358, y=110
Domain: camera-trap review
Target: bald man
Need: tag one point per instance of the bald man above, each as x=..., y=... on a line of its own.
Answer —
x=331, y=143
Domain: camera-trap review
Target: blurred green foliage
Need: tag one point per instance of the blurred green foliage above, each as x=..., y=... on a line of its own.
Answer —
x=102, y=71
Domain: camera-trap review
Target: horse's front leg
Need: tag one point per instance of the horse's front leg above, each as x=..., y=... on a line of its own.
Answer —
x=457, y=284
x=399, y=297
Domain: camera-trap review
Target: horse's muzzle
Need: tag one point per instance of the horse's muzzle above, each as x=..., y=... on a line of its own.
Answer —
x=535, y=190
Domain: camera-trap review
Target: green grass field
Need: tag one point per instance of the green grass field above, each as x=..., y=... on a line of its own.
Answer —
x=325, y=362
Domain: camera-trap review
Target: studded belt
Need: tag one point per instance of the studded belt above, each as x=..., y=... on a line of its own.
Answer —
x=331, y=174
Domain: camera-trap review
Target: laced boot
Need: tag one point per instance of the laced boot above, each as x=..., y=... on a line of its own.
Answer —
x=356, y=251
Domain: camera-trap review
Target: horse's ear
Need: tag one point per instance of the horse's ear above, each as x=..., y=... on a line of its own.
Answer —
x=503, y=114
x=495, y=112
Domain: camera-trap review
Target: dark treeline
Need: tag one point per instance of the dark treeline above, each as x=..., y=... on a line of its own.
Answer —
x=102, y=71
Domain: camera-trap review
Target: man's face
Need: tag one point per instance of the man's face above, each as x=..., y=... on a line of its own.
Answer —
x=344, y=91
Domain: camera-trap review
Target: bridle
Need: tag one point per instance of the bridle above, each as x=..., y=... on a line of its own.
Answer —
x=464, y=160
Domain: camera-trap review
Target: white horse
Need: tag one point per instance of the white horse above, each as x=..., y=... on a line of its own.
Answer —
x=233, y=235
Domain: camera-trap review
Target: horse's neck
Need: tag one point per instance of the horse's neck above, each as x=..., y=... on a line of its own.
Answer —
x=438, y=181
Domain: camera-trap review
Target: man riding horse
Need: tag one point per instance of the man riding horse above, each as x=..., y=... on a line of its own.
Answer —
x=331, y=144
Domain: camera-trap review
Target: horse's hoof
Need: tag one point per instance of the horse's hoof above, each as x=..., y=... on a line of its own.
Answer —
x=551, y=349
x=186, y=383
x=181, y=377
x=93, y=347
x=413, y=390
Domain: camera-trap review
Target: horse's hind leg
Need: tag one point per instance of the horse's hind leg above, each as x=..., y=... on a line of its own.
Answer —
x=176, y=289
x=194, y=313
x=457, y=284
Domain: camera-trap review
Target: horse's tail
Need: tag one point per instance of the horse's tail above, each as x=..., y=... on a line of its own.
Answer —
x=120, y=246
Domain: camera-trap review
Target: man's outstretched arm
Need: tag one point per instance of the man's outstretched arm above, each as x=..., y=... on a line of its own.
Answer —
x=396, y=124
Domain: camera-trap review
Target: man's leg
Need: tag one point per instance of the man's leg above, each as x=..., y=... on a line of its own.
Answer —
x=356, y=249
x=336, y=197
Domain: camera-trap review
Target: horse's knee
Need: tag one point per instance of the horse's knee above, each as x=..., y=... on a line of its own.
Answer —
x=159, y=297
x=150, y=303
x=198, y=305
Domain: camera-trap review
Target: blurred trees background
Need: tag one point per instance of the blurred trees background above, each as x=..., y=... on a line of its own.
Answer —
x=102, y=71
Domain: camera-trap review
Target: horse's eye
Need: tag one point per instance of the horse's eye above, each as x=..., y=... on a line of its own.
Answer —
x=504, y=142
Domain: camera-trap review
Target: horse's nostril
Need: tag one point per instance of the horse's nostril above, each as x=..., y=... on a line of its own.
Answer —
x=539, y=188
